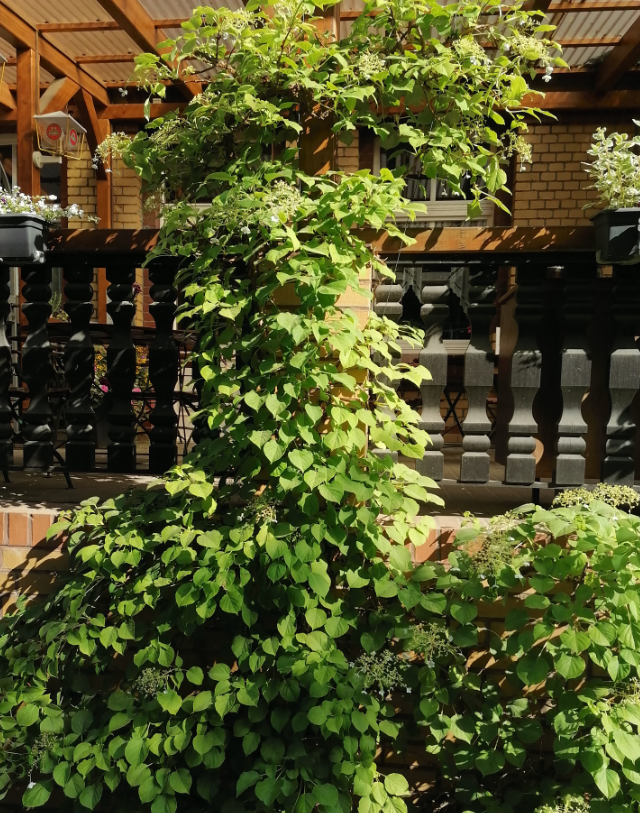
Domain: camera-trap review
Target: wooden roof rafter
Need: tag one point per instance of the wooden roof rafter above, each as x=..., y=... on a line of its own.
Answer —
x=19, y=33
x=619, y=60
x=135, y=20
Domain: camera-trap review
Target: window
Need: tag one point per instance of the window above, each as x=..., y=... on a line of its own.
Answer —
x=51, y=181
x=444, y=207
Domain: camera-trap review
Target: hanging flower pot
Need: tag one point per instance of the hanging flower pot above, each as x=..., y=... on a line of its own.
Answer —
x=25, y=223
x=617, y=235
x=23, y=239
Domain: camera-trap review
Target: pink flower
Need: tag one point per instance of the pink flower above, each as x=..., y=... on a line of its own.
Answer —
x=136, y=389
x=104, y=388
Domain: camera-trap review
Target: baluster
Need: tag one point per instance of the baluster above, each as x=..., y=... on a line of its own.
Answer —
x=434, y=312
x=121, y=368
x=525, y=377
x=6, y=416
x=387, y=303
x=163, y=370
x=575, y=376
x=200, y=429
x=387, y=300
x=37, y=368
x=478, y=378
x=624, y=376
x=80, y=449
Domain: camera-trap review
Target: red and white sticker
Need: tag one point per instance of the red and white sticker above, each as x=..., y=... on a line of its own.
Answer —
x=73, y=137
x=53, y=131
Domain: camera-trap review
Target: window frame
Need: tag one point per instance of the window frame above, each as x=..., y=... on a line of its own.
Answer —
x=441, y=210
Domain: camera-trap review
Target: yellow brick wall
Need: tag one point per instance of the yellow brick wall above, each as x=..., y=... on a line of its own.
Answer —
x=126, y=197
x=554, y=188
x=348, y=157
x=81, y=188
x=127, y=201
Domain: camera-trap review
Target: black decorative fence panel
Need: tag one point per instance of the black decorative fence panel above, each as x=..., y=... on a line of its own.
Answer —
x=86, y=395
x=534, y=362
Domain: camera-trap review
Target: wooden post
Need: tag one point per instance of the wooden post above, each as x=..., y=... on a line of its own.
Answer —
x=317, y=145
x=28, y=175
x=104, y=210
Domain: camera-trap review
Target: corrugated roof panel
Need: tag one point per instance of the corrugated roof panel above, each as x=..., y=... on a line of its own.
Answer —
x=92, y=43
x=169, y=9
x=593, y=25
x=121, y=72
x=58, y=11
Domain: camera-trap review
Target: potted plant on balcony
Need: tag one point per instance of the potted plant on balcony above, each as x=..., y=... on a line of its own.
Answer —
x=615, y=171
x=24, y=225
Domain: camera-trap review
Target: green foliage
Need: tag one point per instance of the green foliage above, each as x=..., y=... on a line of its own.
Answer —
x=188, y=659
x=228, y=641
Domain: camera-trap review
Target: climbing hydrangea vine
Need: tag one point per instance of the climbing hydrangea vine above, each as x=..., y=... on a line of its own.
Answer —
x=238, y=638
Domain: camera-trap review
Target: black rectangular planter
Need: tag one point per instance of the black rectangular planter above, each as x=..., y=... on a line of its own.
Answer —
x=22, y=239
x=617, y=235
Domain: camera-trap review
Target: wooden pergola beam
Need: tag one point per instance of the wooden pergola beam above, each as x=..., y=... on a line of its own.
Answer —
x=133, y=18
x=104, y=59
x=67, y=28
x=21, y=35
x=58, y=95
x=541, y=5
x=90, y=120
x=619, y=60
x=584, y=100
x=444, y=241
x=6, y=98
x=135, y=111
x=592, y=5
x=28, y=175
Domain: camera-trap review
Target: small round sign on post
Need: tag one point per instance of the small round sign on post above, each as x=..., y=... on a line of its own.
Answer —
x=73, y=137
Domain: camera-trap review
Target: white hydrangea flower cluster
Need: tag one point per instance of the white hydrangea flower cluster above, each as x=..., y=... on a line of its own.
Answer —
x=287, y=9
x=520, y=146
x=569, y=803
x=468, y=48
x=370, y=65
x=283, y=198
x=533, y=50
x=43, y=206
x=112, y=147
x=236, y=21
